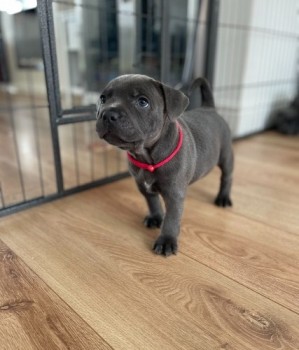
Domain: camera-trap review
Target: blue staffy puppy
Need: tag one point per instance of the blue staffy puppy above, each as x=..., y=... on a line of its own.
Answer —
x=167, y=148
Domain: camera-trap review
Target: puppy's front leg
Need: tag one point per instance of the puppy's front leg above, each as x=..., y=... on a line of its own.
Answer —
x=166, y=243
x=155, y=216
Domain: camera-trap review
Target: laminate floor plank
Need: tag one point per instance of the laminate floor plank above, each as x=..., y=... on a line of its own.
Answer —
x=283, y=153
x=275, y=139
x=103, y=268
x=233, y=285
x=32, y=316
x=263, y=258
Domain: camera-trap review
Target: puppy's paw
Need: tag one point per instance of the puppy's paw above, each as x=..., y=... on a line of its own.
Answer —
x=153, y=221
x=223, y=201
x=165, y=245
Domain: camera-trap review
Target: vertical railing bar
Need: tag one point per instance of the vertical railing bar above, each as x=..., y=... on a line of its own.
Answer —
x=152, y=22
x=236, y=93
x=94, y=158
x=230, y=63
x=53, y=57
x=45, y=15
x=265, y=89
x=91, y=151
x=190, y=48
x=223, y=94
x=138, y=46
x=148, y=26
x=285, y=54
x=2, y=197
x=212, y=29
x=36, y=134
x=16, y=146
x=106, y=161
x=165, y=42
x=119, y=152
x=74, y=132
x=103, y=29
x=274, y=47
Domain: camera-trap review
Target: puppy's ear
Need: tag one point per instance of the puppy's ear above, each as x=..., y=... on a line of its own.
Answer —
x=175, y=102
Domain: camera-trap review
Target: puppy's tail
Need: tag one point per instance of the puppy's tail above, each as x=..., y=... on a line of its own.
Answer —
x=207, y=99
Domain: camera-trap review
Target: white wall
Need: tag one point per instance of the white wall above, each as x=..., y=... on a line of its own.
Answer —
x=257, y=53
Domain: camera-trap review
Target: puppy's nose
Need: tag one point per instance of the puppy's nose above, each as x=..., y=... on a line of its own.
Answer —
x=111, y=116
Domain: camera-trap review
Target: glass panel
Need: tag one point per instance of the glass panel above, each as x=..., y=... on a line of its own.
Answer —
x=99, y=40
x=178, y=33
x=21, y=69
x=26, y=156
x=184, y=30
x=148, y=40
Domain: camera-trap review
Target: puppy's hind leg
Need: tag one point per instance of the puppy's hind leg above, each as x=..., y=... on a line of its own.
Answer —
x=226, y=165
x=155, y=217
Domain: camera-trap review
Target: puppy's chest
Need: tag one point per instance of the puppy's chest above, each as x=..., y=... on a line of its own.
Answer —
x=147, y=180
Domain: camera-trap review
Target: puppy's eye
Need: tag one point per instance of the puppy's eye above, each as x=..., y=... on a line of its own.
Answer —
x=143, y=102
x=103, y=99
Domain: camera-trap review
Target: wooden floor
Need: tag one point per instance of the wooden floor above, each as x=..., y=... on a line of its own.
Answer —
x=79, y=273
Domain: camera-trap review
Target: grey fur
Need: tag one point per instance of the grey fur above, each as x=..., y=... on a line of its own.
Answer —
x=150, y=134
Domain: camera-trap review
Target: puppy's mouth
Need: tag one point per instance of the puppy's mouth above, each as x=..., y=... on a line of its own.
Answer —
x=120, y=142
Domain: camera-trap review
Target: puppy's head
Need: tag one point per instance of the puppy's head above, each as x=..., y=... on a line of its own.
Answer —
x=135, y=108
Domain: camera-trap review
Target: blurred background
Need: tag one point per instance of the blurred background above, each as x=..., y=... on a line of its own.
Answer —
x=55, y=57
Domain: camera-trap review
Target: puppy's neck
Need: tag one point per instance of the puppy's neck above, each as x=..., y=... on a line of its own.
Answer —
x=166, y=143
x=141, y=153
x=160, y=148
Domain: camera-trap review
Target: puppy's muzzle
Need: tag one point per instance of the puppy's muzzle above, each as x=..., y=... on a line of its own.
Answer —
x=108, y=121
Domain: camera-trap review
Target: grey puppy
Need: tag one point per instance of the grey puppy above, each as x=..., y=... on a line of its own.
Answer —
x=145, y=117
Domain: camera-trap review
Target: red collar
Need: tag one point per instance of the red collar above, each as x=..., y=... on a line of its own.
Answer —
x=153, y=167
